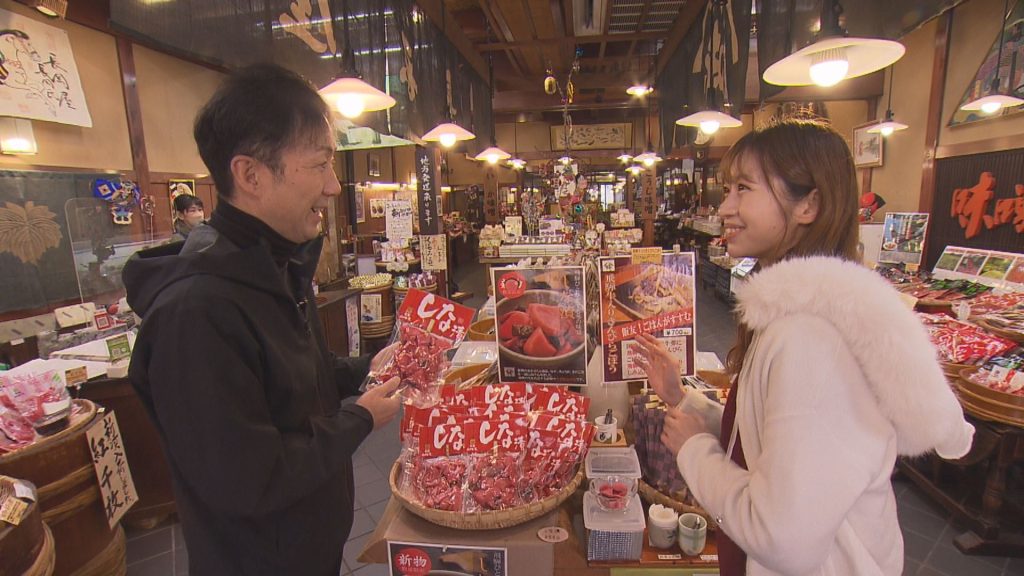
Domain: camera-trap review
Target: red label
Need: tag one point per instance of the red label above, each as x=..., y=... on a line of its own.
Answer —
x=562, y=402
x=436, y=315
x=411, y=562
x=512, y=285
x=652, y=325
x=443, y=440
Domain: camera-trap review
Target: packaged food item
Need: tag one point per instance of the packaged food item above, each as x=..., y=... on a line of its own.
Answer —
x=961, y=343
x=15, y=431
x=42, y=398
x=495, y=458
x=428, y=327
x=435, y=476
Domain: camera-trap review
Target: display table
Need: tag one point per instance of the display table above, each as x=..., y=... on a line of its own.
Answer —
x=995, y=521
x=527, y=554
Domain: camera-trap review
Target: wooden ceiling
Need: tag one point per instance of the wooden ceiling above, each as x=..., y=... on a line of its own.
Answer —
x=623, y=42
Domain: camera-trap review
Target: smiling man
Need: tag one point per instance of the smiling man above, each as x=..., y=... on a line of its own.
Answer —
x=230, y=360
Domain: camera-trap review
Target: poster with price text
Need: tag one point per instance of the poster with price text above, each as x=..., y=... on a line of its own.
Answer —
x=541, y=324
x=647, y=298
x=398, y=219
x=411, y=559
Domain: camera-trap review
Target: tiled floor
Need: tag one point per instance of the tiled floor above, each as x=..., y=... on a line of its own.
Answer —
x=927, y=533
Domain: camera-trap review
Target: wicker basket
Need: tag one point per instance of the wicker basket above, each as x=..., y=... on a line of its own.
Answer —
x=653, y=496
x=494, y=520
x=1001, y=332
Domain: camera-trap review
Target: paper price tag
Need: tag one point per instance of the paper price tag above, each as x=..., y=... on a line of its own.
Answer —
x=75, y=376
x=670, y=556
x=709, y=557
x=553, y=534
x=650, y=255
x=119, y=348
x=13, y=511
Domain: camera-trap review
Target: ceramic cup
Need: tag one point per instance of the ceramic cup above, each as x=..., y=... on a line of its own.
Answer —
x=661, y=530
x=606, y=432
x=693, y=533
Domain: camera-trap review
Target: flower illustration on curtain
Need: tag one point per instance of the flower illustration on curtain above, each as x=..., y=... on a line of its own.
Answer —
x=28, y=231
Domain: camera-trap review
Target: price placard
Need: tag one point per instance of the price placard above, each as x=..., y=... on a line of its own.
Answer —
x=398, y=219
x=652, y=255
x=75, y=376
x=119, y=347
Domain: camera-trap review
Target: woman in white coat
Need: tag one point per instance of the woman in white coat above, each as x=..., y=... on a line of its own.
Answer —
x=833, y=376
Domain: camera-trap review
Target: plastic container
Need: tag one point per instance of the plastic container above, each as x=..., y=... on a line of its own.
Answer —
x=613, y=535
x=613, y=462
x=475, y=353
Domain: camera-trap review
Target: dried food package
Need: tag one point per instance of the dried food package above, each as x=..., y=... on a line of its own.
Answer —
x=495, y=459
x=428, y=326
x=435, y=475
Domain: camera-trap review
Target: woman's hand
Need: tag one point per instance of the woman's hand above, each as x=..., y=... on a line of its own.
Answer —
x=662, y=369
x=680, y=427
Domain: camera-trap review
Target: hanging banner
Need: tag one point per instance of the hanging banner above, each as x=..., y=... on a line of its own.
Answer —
x=427, y=184
x=434, y=252
x=38, y=75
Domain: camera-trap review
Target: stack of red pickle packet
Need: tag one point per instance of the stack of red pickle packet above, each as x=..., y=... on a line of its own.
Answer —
x=493, y=447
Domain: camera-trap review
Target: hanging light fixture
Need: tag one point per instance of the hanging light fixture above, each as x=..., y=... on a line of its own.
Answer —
x=639, y=90
x=493, y=154
x=625, y=157
x=887, y=126
x=565, y=160
x=516, y=162
x=834, y=57
x=710, y=120
x=649, y=157
x=348, y=93
x=634, y=169
x=995, y=100
x=447, y=133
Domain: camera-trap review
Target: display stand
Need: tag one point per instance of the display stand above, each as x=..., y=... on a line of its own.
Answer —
x=995, y=525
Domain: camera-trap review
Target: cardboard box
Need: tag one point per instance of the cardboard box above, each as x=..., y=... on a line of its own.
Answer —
x=527, y=554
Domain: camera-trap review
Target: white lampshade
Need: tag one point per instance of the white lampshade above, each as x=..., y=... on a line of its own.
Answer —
x=448, y=133
x=17, y=137
x=517, y=163
x=352, y=97
x=887, y=126
x=639, y=90
x=709, y=121
x=992, y=103
x=634, y=169
x=861, y=55
x=648, y=158
x=565, y=160
x=625, y=157
x=492, y=155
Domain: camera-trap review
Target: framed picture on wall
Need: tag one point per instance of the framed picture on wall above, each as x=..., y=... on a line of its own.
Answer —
x=359, y=206
x=867, y=147
x=373, y=164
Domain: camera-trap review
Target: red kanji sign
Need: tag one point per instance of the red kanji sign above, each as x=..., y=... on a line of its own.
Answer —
x=970, y=206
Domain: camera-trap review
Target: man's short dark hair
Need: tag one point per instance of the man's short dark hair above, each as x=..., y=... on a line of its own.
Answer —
x=182, y=202
x=258, y=111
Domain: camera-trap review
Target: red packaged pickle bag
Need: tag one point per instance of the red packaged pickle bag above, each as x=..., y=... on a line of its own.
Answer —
x=495, y=457
x=428, y=326
x=436, y=475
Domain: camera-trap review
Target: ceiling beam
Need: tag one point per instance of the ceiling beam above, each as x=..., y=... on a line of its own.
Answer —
x=639, y=25
x=434, y=9
x=604, y=27
x=528, y=101
x=497, y=22
x=571, y=40
x=559, y=20
x=591, y=80
x=684, y=20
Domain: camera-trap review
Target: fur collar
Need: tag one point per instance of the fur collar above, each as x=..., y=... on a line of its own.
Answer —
x=886, y=338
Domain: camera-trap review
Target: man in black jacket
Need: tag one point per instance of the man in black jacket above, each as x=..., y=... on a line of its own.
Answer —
x=230, y=360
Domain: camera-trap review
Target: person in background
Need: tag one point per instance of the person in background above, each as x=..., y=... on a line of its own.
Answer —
x=188, y=213
x=230, y=360
x=832, y=376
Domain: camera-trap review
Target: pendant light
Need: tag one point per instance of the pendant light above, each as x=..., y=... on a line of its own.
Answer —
x=447, y=133
x=516, y=162
x=348, y=93
x=639, y=90
x=710, y=120
x=995, y=100
x=649, y=158
x=493, y=154
x=625, y=157
x=834, y=57
x=887, y=126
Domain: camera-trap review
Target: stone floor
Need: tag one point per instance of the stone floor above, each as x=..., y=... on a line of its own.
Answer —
x=927, y=532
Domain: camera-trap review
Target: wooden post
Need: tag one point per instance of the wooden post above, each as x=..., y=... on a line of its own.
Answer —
x=630, y=187
x=491, y=212
x=647, y=205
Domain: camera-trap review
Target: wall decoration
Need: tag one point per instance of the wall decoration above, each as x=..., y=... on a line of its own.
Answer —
x=377, y=207
x=867, y=147
x=373, y=164
x=360, y=208
x=123, y=196
x=38, y=75
x=593, y=136
x=27, y=231
x=1010, y=69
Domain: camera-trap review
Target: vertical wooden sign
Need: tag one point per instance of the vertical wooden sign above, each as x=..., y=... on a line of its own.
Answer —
x=428, y=184
x=647, y=205
x=491, y=196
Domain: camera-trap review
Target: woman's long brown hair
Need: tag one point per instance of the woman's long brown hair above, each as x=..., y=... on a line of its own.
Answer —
x=803, y=156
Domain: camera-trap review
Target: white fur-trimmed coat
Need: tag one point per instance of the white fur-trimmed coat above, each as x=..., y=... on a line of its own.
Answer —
x=839, y=379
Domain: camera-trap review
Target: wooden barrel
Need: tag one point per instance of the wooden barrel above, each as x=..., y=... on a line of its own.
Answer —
x=69, y=496
x=27, y=547
x=150, y=472
x=387, y=299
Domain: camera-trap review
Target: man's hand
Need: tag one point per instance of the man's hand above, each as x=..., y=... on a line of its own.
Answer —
x=381, y=402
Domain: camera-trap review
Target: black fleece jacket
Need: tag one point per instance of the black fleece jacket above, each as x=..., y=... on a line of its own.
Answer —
x=232, y=366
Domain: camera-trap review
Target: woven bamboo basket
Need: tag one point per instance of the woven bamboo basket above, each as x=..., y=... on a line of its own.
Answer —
x=1017, y=337
x=494, y=520
x=653, y=496
x=989, y=404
